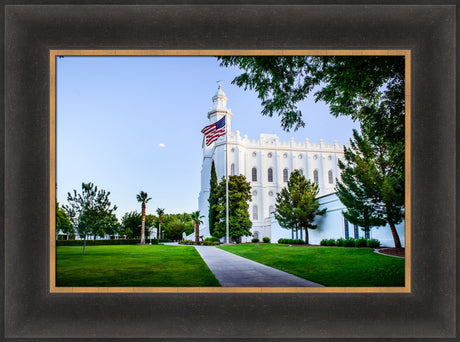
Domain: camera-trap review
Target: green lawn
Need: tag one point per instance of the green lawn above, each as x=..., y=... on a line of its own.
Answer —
x=132, y=265
x=330, y=266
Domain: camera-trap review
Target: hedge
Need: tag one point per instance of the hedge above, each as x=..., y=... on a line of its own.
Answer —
x=373, y=243
x=291, y=241
x=98, y=242
x=201, y=243
x=106, y=242
x=351, y=242
x=361, y=242
x=212, y=238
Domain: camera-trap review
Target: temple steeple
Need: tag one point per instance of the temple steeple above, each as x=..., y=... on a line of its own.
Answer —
x=219, y=108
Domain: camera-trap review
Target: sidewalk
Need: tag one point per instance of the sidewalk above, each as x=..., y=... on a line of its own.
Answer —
x=233, y=270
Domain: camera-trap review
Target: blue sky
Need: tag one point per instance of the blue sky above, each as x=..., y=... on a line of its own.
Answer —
x=134, y=123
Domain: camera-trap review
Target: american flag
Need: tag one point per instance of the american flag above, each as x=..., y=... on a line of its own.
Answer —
x=213, y=131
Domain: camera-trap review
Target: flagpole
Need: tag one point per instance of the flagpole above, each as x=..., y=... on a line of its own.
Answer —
x=226, y=178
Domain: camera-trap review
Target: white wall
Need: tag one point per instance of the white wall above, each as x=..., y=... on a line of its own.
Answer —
x=332, y=226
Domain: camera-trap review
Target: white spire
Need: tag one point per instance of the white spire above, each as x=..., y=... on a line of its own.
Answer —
x=220, y=109
x=219, y=99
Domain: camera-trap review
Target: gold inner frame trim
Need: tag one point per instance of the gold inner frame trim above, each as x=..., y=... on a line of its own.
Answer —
x=118, y=52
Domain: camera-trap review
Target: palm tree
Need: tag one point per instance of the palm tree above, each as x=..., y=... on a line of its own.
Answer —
x=196, y=224
x=143, y=198
x=160, y=212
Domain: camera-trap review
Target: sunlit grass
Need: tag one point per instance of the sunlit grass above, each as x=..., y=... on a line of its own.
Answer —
x=330, y=266
x=132, y=265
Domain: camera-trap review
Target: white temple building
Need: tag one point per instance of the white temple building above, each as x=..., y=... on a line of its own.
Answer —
x=267, y=163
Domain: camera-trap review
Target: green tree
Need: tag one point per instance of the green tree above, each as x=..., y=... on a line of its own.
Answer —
x=239, y=194
x=63, y=223
x=196, y=220
x=174, y=229
x=131, y=224
x=90, y=212
x=187, y=219
x=143, y=198
x=108, y=226
x=212, y=199
x=371, y=183
x=296, y=205
x=351, y=85
x=170, y=228
x=160, y=213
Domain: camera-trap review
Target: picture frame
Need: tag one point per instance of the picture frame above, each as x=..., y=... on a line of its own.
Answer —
x=54, y=133
x=31, y=311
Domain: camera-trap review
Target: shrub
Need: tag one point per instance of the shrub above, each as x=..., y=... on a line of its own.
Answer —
x=187, y=242
x=99, y=242
x=107, y=242
x=373, y=243
x=255, y=240
x=327, y=242
x=212, y=238
x=207, y=243
x=266, y=239
x=339, y=242
x=331, y=242
x=292, y=241
x=211, y=243
x=349, y=242
x=361, y=242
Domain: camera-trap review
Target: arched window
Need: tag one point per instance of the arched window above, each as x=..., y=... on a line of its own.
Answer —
x=232, y=169
x=329, y=176
x=285, y=175
x=270, y=174
x=255, y=213
x=271, y=209
x=256, y=234
x=254, y=174
x=315, y=177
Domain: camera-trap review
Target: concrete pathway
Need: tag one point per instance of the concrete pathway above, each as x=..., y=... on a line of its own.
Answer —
x=233, y=270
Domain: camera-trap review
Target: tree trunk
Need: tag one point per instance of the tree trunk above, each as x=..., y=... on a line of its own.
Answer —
x=306, y=236
x=197, y=233
x=394, y=232
x=159, y=229
x=84, y=245
x=143, y=225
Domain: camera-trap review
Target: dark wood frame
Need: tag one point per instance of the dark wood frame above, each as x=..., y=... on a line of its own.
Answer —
x=30, y=311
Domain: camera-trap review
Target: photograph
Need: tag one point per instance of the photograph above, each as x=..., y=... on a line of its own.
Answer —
x=277, y=171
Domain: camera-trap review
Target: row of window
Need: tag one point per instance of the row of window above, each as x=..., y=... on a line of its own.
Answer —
x=285, y=155
x=255, y=211
x=330, y=175
x=367, y=234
